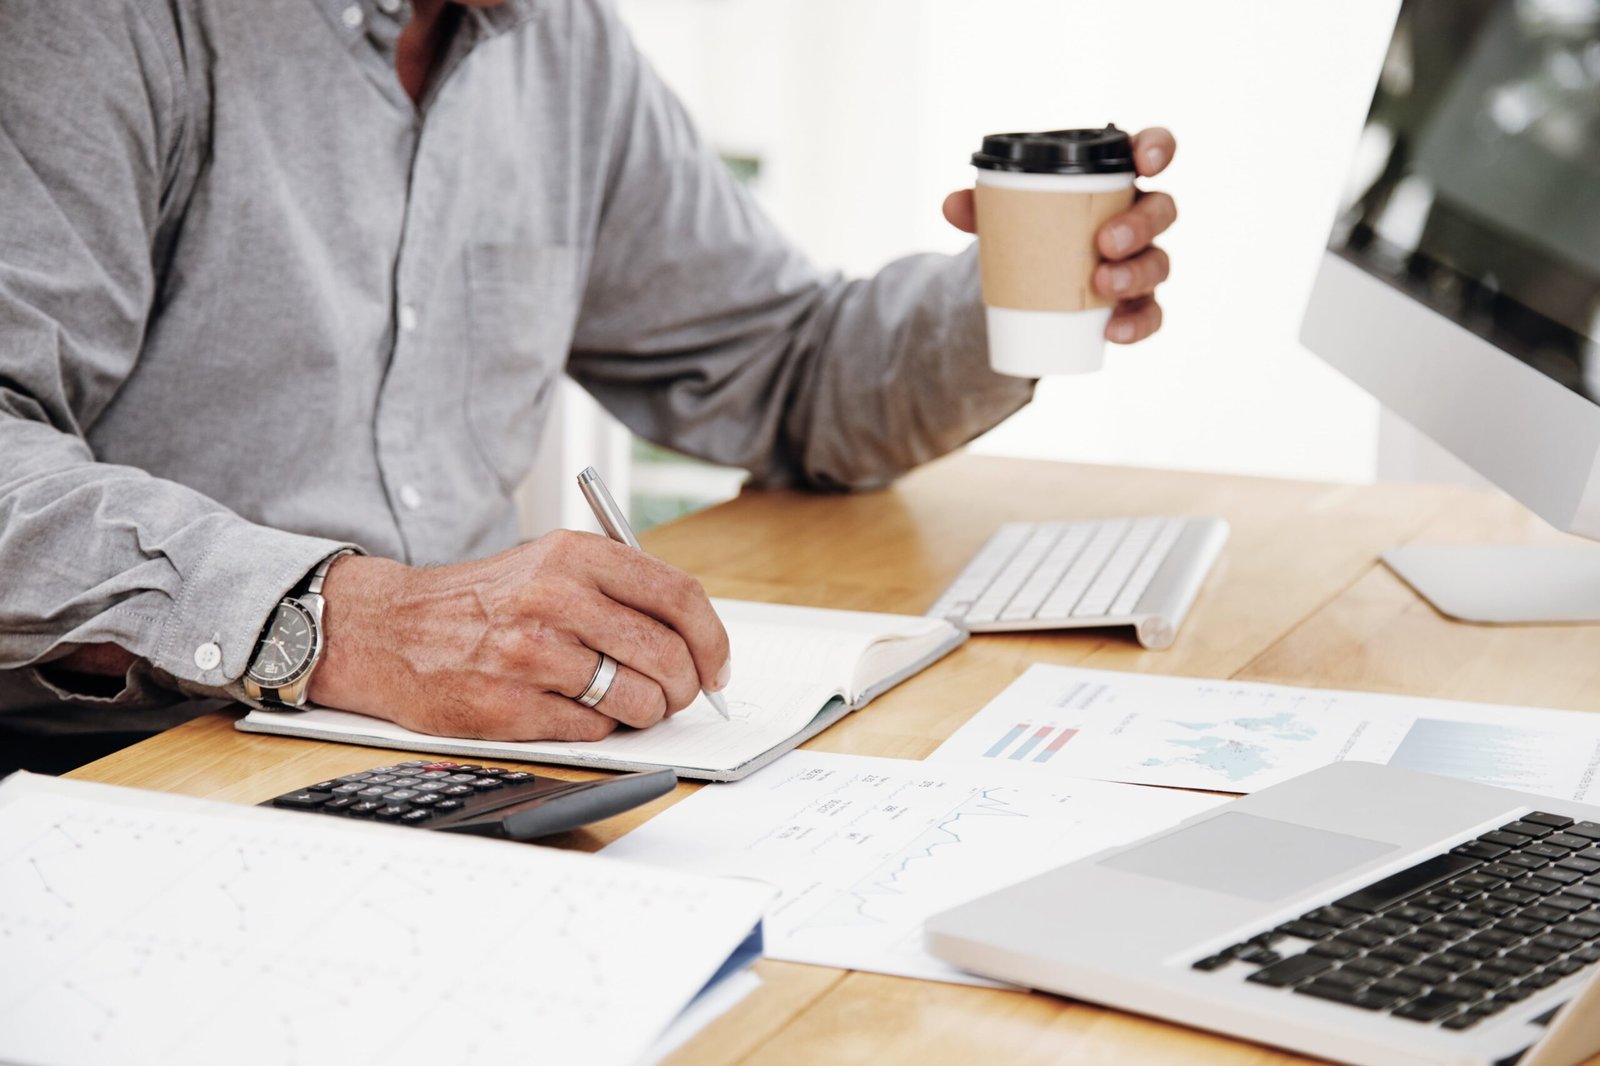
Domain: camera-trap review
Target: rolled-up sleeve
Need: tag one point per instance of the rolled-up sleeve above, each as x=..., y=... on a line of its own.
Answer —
x=91, y=126
x=704, y=329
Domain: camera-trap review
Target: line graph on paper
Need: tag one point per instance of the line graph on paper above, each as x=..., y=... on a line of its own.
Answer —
x=862, y=850
x=878, y=898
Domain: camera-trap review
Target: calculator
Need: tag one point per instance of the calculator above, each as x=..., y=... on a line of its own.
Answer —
x=486, y=800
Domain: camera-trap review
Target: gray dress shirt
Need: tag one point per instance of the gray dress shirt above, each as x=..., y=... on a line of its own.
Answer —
x=256, y=305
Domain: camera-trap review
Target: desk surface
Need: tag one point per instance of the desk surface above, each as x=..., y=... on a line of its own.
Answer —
x=1298, y=597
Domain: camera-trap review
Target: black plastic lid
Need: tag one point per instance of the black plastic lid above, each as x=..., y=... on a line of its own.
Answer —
x=1107, y=151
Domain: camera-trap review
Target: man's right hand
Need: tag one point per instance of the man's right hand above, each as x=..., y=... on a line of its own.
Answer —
x=497, y=648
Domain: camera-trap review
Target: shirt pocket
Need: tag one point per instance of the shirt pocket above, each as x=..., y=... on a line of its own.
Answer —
x=522, y=304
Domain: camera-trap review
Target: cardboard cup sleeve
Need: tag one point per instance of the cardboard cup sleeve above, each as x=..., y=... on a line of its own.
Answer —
x=1036, y=249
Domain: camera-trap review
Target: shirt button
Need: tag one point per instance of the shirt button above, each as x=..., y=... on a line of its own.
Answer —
x=410, y=497
x=408, y=318
x=208, y=656
x=353, y=17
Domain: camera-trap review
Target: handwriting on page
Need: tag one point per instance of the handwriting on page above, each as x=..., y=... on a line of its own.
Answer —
x=864, y=849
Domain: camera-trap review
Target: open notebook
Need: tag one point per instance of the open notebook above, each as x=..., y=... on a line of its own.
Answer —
x=797, y=670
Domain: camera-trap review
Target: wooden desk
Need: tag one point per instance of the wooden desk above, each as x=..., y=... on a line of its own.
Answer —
x=1298, y=597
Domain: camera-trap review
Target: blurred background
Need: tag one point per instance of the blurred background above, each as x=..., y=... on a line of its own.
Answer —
x=851, y=120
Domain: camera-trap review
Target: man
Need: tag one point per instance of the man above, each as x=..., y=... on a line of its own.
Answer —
x=286, y=278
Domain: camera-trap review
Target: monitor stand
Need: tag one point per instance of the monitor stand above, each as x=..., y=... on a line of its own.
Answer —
x=1503, y=584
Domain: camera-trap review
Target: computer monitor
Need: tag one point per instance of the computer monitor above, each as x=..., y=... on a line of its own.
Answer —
x=1461, y=282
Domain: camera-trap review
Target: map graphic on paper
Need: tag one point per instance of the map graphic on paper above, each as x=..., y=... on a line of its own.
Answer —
x=1235, y=736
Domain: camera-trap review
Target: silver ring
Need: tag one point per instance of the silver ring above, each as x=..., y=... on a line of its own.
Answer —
x=600, y=683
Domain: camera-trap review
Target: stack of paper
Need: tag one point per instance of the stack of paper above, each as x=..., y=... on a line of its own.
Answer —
x=139, y=927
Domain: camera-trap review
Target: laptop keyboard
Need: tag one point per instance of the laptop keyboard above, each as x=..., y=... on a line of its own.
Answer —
x=1454, y=939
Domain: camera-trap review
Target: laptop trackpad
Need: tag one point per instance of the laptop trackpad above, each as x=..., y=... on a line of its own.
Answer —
x=1246, y=855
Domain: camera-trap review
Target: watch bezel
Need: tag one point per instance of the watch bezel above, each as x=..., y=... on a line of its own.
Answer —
x=300, y=671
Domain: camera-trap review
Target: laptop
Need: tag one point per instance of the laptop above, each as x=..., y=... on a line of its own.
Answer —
x=1359, y=913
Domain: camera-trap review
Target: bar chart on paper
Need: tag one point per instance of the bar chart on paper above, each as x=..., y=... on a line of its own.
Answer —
x=1024, y=741
x=1239, y=736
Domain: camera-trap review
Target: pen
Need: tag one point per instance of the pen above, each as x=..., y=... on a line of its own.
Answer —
x=616, y=526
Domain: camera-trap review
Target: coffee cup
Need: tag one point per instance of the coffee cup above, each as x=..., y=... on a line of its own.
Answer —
x=1041, y=198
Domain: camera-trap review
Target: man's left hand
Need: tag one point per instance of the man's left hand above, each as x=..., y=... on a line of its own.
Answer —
x=1133, y=265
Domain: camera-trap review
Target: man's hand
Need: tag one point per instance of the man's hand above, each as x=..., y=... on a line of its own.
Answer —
x=1134, y=266
x=499, y=647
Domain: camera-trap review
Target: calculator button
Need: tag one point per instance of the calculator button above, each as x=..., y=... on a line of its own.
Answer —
x=356, y=777
x=469, y=769
x=516, y=778
x=377, y=790
x=413, y=762
x=416, y=817
x=462, y=778
x=391, y=811
x=434, y=786
x=323, y=786
x=339, y=803
x=348, y=790
x=427, y=799
x=306, y=800
x=493, y=771
x=405, y=782
x=486, y=784
x=383, y=770
x=403, y=794
x=449, y=805
x=364, y=807
x=381, y=779
x=433, y=775
x=456, y=790
x=440, y=766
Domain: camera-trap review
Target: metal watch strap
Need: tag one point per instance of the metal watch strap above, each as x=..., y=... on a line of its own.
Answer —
x=313, y=587
x=320, y=574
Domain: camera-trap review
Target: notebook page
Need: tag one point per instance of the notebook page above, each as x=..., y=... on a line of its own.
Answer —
x=163, y=929
x=854, y=648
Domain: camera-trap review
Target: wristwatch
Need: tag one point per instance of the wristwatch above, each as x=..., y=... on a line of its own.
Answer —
x=290, y=646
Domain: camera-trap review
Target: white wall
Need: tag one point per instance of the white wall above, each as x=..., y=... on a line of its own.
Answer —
x=866, y=111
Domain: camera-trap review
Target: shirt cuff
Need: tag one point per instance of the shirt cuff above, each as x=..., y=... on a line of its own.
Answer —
x=225, y=602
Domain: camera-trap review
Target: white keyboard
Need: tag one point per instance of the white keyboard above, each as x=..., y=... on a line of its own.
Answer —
x=1143, y=572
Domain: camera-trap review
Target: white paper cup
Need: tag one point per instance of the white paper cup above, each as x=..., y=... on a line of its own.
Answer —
x=1036, y=243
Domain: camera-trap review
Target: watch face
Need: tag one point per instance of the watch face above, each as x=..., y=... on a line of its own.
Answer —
x=286, y=646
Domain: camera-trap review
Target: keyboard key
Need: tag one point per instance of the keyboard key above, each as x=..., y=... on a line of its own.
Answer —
x=1393, y=889
x=1428, y=975
x=1398, y=986
x=1291, y=971
x=1334, y=949
x=305, y=800
x=1493, y=980
x=1588, y=890
x=1564, y=967
x=1307, y=930
x=1560, y=876
x=1526, y=828
x=1510, y=967
x=1407, y=913
x=1510, y=840
x=1216, y=962
x=1348, y=996
x=1529, y=953
x=1429, y=1008
x=1478, y=849
x=1570, y=841
x=1259, y=955
x=1532, y=883
x=1584, y=930
x=1362, y=938
x=1387, y=927
x=1335, y=916
x=1565, y=902
x=1404, y=956
x=1373, y=967
x=1554, y=821
x=1546, y=850
x=1587, y=830
x=1527, y=862
x=1453, y=961
x=1579, y=864
x=1556, y=942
